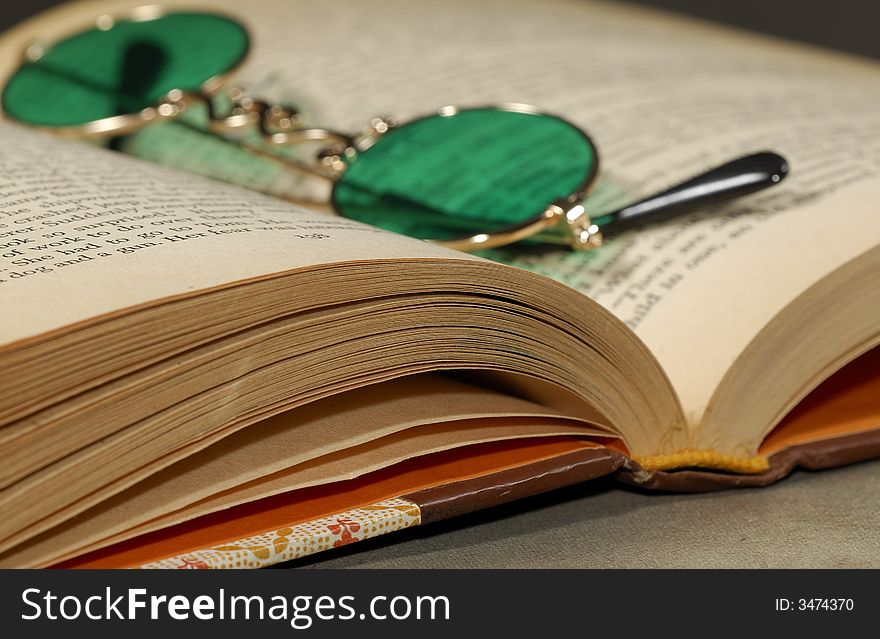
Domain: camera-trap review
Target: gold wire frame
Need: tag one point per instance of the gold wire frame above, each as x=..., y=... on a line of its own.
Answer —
x=280, y=126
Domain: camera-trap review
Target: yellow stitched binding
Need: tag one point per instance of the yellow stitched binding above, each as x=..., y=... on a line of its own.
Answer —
x=704, y=459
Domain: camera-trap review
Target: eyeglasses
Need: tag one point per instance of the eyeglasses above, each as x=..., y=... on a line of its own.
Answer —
x=467, y=178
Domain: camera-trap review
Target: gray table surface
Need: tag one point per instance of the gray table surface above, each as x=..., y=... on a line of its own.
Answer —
x=821, y=519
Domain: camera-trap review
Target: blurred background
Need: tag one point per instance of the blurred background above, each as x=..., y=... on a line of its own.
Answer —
x=850, y=25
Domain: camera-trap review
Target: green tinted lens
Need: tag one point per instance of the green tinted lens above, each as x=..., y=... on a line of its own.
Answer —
x=474, y=171
x=101, y=73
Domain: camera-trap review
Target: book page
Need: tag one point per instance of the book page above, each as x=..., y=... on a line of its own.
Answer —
x=85, y=231
x=664, y=98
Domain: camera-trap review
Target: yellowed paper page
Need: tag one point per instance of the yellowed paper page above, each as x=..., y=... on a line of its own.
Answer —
x=116, y=232
x=664, y=98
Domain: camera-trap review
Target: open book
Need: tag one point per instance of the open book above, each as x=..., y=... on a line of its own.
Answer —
x=195, y=374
